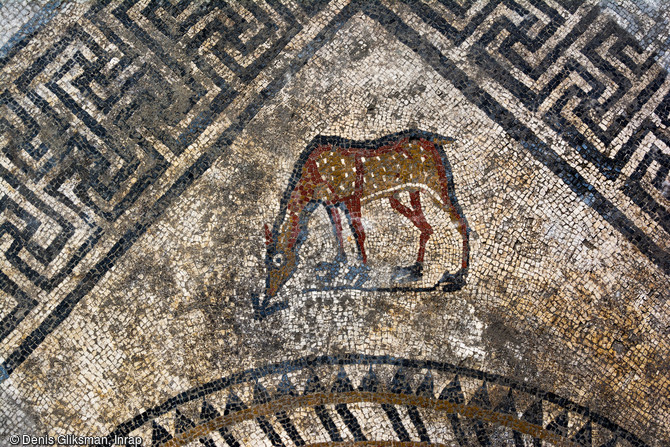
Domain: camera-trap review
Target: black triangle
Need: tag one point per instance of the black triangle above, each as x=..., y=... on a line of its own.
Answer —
x=534, y=413
x=584, y=436
x=159, y=434
x=560, y=424
x=481, y=397
x=208, y=412
x=182, y=423
x=400, y=384
x=261, y=395
x=453, y=392
x=285, y=387
x=313, y=385
x=234, y=404
x=370, y=382
x=426, y=388
x=507, y=405
x=342, y=383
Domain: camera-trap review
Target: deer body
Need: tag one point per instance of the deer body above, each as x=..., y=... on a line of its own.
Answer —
x=345, y=174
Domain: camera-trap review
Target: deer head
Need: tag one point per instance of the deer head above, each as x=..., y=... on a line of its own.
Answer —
x=280, y=264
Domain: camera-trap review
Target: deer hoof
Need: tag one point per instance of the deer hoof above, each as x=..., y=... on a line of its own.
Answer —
x=330, y=269
x=407, y=274
x=452, y=282
x=359, y=274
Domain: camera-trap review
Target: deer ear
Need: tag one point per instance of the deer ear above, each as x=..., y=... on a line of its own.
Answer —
x=268, y=236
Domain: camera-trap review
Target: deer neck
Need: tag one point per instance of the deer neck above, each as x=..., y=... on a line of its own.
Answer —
x=292, y=225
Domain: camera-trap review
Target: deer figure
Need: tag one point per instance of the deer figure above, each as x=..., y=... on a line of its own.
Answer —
x=343, y=174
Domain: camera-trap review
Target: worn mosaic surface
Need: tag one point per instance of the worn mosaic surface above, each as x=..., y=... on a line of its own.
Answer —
x=344, y=222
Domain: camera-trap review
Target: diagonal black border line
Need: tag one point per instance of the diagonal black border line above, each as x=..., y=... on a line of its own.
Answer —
x=21, y=38
x=288, y=366
x=520, y=132
x=65, y=307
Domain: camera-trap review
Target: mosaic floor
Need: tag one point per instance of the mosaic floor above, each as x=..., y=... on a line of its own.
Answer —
x=335, y=222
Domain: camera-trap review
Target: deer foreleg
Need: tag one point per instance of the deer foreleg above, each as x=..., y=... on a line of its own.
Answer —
x=335, y=220
x=452, y=282
x=355, y=217
x=332, y=269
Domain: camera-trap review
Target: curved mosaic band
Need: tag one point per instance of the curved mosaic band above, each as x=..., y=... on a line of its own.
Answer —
x=411, y=396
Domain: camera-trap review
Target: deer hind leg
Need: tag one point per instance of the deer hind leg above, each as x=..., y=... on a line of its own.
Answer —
x=332, y=269
x=416, y=216
x=451, y=282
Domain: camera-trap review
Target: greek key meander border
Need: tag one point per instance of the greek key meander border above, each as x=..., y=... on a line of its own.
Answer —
x=311, y=362
x=204, y=161
x=434, y=58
